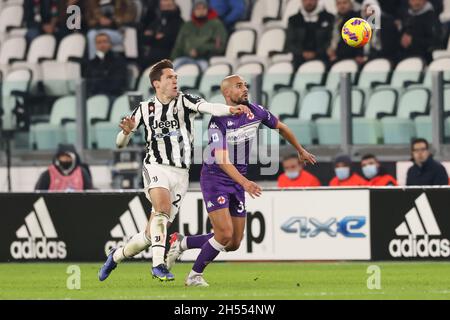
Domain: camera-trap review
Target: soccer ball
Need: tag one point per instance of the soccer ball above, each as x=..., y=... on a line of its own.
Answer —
x=356, y=32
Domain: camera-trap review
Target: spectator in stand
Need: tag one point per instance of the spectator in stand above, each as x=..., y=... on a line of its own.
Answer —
x=108, y=16
x=420, y=33
x=344, y=175
x=66, y=173
x=229, y=11
x=41, y=17
x=338, y=49
x=374, y=172
x=425, y=170
x=160, y=34
x=201, y=38
x=106, y=73
x=295, y=175
x=309, y=32
x=385, y=42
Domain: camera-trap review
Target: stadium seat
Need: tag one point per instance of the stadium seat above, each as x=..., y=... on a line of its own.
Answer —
x=105, y=132
x=47, y=135
x=406, y=72
x=400, y=129
x=270, y=42
x=285, y=104
x=41, y=48
x=435, y=65
x=143, y=85
x=97, y=109
x=333, y=78
x=367, y=129
x=262, y=10
x=13, y=48
x=59, y=75
x=10, y=17
x=329, y=129
x=14, y=86
x=423, y=124
x=188, y=76
x=315, y=103
x=278, y=74
x=132, y=75
x=291, y=8
x=249, y=71
x=311, y=72
x=185, y=8
x=130, y=42
x=217, y=98
x=374, y=71
x=212, y=78
x=240, y=41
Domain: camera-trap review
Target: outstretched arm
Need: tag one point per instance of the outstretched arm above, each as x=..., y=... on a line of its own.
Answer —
x=287, y=133
x=224, y=163
x=127, y=125
x=219, y=110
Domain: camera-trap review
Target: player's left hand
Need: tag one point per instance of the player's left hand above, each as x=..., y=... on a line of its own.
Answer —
x=306, y=157
x=240, y=109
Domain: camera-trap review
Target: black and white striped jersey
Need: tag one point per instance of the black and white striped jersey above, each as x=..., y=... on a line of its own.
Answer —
x=169, y=131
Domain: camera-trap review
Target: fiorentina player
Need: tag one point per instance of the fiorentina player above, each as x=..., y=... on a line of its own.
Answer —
x=223, y=181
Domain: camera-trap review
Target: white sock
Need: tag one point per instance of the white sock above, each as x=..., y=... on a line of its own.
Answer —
x=158, y=231
x=138, y=243
x=183, y=243
x=193, y=274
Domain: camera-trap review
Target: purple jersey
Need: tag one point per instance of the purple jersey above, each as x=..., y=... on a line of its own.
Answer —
x=235, y=134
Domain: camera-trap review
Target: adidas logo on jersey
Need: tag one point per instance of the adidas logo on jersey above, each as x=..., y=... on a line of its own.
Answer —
x=35, y=235
x=423, y=235
x=132, y=221
x=168, y=124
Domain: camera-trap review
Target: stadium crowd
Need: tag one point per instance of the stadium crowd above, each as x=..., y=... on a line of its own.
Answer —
x=410, y=28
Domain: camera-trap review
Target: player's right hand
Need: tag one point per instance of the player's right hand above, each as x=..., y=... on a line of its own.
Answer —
x=252, y=188
x=240, y=109
x=127, y=125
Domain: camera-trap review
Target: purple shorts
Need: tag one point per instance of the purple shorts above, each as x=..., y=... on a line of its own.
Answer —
x=219, y=193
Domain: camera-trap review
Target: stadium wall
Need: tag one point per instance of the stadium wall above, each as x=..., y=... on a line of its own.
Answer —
x=300, y=224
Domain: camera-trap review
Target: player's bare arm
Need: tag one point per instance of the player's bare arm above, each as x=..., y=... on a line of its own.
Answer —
x=222, y=159
x=304, y=156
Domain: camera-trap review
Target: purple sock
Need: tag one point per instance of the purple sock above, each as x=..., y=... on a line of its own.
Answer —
x=208, y=254
x=194, y=242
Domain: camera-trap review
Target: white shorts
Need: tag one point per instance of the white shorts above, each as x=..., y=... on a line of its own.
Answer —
x=174, y=179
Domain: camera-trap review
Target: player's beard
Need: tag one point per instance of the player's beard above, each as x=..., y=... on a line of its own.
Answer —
x=240, y=100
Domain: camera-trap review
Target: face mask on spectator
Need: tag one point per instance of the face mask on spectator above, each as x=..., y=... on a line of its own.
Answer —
x=292, y=174
x=342, y=173
x=370, y=171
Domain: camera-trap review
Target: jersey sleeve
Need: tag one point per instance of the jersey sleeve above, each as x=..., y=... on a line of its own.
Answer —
x=191, y=102
x=139, y=119
x=268, y=119
x=217, y=134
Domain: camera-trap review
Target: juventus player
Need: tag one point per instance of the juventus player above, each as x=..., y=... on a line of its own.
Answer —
x=223, y=180
x=168, y=122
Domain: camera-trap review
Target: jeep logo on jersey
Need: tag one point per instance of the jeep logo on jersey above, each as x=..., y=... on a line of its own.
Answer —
x=35, y=235
x=167, y=124
x=132, y=221
x=419, y=235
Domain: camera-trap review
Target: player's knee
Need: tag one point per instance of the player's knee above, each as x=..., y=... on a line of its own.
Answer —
x=233, y=246
x=224, y=236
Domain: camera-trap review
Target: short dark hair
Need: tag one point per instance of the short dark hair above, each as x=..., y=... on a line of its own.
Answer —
x=157, y=70
x=369, y=156
x=419, y=140
x=290, y=156
x=103, y=34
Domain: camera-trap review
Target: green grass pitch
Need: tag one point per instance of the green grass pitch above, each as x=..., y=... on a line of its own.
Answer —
x=290, y=280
